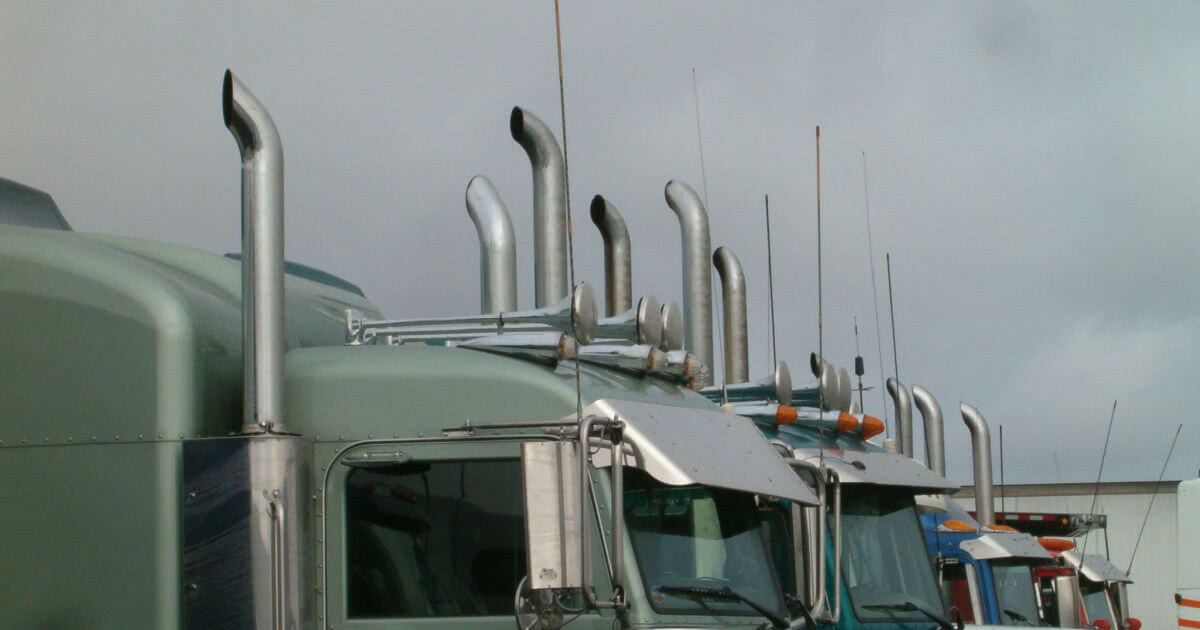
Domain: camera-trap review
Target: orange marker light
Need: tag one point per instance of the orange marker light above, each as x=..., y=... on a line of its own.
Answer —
x=871, y=426
x=1003, y=528
x=846, y=422
x=957, y=525
x=1056, y=544
x=786, y=415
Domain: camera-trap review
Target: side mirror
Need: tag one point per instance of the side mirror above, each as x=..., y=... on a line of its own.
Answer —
x=553, y=523
x=1102, y=624
x=1133, y=623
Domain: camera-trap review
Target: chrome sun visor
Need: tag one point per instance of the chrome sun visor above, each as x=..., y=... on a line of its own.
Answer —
x=1005, y=545
x=1095, y=568
x=680, y=446
x=881, y=469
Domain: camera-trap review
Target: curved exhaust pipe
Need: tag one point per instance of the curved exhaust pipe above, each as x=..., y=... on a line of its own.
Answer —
x=981, y=458
x=697, y=275
x=549, y=206
x=497, y=247
x=733, y=303
x=262, y=256
x=903, y=403
x=931, y=413
x=618, y=264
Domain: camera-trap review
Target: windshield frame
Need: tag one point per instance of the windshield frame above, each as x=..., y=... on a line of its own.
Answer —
x=906, y=547
x=735, y=512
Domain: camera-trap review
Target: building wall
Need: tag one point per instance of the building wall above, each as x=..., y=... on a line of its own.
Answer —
x=1152, y=595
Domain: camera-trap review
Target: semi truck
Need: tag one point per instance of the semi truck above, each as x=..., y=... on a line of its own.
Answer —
x=1099, y=585
x=200, y=441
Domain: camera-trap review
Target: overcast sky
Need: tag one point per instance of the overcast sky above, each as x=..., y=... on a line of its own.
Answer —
x=1032, y=170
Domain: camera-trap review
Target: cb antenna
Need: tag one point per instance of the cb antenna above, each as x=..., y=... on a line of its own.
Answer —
x=874, y=298
x=1096, y=493
x=562, y=111
x=770, y=285
x=1156, y=484
x=858, y=366
x=820, y=303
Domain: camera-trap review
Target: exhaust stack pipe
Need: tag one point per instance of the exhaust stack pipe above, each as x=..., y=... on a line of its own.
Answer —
x=981, y=457
x=618, y=265
x=931, y=412
x=549, y=206
x=903, y=402
x=733, y=303
x=497, y=247
x=262, y=256
x=697, y=275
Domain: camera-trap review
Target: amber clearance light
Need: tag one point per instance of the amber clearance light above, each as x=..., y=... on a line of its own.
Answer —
x=1055, y=544
x=870, y=427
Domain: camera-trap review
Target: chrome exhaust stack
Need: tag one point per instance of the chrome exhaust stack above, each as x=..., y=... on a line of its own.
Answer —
x=262, y=256
x=497, y=247
x=981, y=458
x=931, y=413
x=903, y=403
x=618, y=264
x=697, y=275
x=549, y=206
x=733, y=303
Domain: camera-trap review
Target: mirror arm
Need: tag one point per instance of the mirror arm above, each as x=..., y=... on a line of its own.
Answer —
x=585, y=496
x=618, y=512
x=836, y=481
x=816, y=587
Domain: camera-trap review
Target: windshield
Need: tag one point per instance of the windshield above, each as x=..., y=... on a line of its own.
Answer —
x=884, y=558
x=1095, y=601
x=1015, y=592
x=698, y=536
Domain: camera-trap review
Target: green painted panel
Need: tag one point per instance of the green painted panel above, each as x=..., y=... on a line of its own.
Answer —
x=359, y=392
x=90, y=537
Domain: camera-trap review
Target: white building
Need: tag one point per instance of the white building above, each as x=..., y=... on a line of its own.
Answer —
x=1152, y=595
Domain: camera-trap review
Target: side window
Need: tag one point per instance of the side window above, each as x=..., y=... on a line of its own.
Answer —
x=434, y=539
x=956, y=587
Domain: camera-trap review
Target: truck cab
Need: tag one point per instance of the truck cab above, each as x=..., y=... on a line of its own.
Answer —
x=987, y=574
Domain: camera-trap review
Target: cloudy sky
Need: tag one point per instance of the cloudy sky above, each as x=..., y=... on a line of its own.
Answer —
x=1031, y=166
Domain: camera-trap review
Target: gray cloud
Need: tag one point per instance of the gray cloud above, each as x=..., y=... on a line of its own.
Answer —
x=1031, y=171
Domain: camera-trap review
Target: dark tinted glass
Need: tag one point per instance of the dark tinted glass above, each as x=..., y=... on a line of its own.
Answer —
x=434, y=539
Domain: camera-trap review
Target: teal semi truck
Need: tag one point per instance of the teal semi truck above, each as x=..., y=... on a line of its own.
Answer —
x=196, y=441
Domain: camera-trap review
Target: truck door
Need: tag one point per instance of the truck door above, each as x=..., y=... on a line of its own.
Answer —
x=423, y=535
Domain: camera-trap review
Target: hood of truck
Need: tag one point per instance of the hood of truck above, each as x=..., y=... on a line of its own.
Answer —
x=352, y=393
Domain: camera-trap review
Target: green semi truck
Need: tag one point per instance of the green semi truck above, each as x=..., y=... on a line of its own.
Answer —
x=190, y=440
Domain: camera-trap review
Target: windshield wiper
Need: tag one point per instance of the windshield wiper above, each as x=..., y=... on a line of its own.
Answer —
x=728, y=594
x=1016, y=616
x=910, y=607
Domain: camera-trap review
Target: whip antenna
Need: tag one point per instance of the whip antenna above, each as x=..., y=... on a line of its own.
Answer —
x=1096, y=493
x=770, y=285
x=892, y=313
x=859, y=370
x=875, y=298
x=1156, y=484
x=562, y=111
x=820, y=303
